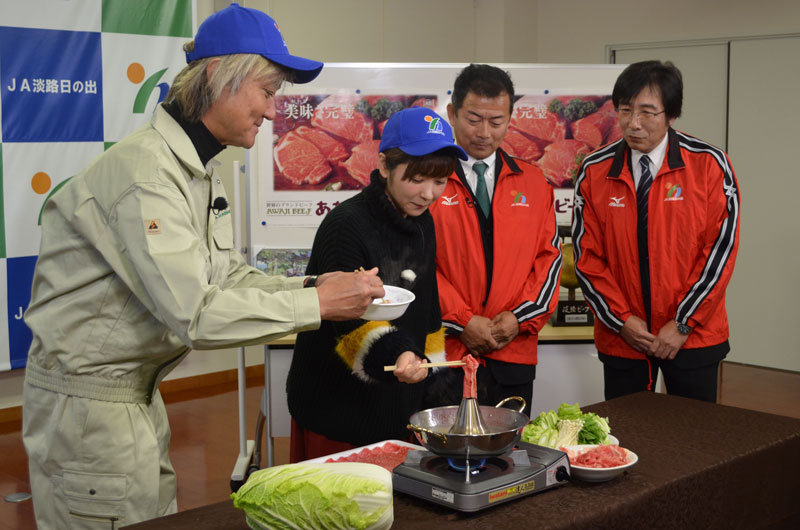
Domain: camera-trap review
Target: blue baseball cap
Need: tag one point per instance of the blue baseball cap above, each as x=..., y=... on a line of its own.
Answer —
x=419, y=131
x=237, y=29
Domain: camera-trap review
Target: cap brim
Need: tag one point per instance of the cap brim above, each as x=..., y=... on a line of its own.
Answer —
x=431, y=146
x=305, y=70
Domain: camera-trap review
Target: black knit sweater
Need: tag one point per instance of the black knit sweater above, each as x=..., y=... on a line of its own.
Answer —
x=356, y=401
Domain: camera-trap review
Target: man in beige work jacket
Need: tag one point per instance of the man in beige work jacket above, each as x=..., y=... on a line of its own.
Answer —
x=137, y=267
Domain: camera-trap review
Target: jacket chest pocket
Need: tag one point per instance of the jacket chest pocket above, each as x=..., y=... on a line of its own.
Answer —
x=220, y=247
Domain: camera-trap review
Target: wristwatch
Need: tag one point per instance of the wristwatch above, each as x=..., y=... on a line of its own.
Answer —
x=683, y=329
x=311, y=281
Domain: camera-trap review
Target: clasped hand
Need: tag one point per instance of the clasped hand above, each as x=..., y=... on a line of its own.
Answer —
x=482, y=335
x=665, y=345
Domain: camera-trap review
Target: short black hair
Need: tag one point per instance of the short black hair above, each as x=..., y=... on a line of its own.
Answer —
x=482, y=80
x=654, y=74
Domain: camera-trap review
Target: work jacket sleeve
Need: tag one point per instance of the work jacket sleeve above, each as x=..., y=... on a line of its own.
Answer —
x=598, y=285
x=540, y=294
x=712, y=270
x=182, y=280
x=243, y=276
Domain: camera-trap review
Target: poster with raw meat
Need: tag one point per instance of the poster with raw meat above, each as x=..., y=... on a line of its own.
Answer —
x=283, y=261
x=555, y=132
x=324, y=147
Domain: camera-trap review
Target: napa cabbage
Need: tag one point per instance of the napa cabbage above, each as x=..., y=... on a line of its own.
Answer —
x=318, y=495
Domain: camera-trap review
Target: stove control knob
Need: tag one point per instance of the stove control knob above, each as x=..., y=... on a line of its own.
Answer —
x=561, y=474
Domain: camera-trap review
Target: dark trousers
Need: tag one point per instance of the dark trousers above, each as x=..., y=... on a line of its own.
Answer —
x=683, y=376
x=498, y=380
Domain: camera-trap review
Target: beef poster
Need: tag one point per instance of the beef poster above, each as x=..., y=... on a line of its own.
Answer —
x=555, y=132
x=324, y=146
x=330, y=142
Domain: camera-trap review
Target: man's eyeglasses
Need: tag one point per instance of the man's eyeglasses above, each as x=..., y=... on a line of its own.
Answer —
x=644, y=115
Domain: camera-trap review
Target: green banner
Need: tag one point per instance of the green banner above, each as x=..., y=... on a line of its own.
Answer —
x=169, y=18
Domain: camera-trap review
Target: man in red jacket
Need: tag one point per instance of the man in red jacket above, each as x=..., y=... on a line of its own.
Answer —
x=655, y=234
x=498, y=257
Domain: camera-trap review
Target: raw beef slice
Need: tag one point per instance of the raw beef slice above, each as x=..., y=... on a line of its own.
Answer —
x=548, y=127
x=593, y=129
x=614, y=133
x=300, y=161
x=363, y=160
x=560, y=161
x=338, y=115
x=518, y=145
x=333, y=150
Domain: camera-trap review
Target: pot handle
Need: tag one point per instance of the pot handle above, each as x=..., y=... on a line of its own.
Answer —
x=419, y=430
x=512, y=398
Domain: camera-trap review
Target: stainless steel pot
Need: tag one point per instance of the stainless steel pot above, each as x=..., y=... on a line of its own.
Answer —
x=503, y=430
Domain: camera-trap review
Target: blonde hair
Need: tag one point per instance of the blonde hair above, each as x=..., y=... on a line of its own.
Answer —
x=196, y=93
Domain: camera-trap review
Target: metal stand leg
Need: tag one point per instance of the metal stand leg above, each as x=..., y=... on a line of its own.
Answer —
x=240, y=469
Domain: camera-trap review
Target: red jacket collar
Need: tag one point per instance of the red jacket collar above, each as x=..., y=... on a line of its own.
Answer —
x=623, y=154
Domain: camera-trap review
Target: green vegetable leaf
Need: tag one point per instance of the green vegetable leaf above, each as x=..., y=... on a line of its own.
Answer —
x=567, y=411
x=569, y=426
x=556, y=107
x=330, y=495
x=578, y=108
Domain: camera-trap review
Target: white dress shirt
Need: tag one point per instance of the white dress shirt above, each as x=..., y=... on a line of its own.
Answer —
x=656, y=160
x=472, y=177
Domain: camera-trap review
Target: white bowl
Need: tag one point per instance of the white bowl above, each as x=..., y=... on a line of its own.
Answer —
x=598, y=474
x=391, y=306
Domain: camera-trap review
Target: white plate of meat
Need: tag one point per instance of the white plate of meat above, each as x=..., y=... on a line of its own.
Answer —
x=599, y=463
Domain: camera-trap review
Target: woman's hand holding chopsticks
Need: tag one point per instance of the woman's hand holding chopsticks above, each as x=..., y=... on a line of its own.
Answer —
x=425, y=366
x=410, y=368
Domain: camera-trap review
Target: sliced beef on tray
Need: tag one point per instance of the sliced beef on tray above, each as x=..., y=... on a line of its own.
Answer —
x=333, y=149
x=337, y=115
x=518, y=145
x=560, y=161
x=545, y=126
x=363, y=160
x=300, y=161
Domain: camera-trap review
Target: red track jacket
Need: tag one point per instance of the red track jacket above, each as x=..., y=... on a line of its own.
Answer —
x=525, y=257
x=693, y=236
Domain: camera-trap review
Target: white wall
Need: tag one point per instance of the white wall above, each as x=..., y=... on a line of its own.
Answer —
x=577, y=31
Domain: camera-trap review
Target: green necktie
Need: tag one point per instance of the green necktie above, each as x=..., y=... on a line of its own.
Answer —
x=481, y=194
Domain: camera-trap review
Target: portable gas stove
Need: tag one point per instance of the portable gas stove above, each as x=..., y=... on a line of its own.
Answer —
x=472, y=485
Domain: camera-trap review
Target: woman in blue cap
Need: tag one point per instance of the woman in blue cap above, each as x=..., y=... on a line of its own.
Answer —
x=339, y=395
x=137, y=267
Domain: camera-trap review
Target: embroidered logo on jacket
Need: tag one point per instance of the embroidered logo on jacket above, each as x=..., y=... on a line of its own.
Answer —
x=449, y=201
x=153, y=226
x=616, y=202
x=673, y=192
x=519, y=199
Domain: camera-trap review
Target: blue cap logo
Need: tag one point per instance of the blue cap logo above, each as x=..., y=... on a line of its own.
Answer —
x=435, y=126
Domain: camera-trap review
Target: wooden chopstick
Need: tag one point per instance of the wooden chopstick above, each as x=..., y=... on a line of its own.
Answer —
x=393, y=367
